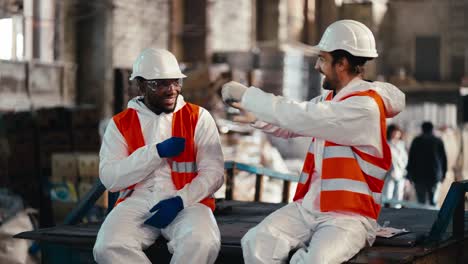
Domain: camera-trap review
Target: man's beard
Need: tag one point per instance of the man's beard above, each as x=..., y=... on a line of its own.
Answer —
x=327, y=84
x=170, y=110
x=158, y=107
x=330, y=84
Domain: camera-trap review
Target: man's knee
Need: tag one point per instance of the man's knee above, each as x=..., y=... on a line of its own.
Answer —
x=205, y=241
x=263, y=230
x=256, y=237
x=110, y=246
x=248, y=238
x=210, y=243
x=104, y=251
x=117, y=253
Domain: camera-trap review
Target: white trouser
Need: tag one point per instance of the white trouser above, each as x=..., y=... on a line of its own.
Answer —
x=320, y=238
x=193, y=235
x=394, y=189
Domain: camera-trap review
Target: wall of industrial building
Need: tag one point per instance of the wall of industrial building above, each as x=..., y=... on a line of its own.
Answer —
x=138, y=24
x=136, y=21
x=231, y=25
x=407, y=20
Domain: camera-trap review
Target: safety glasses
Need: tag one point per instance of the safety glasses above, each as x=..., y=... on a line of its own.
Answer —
x=159, y=85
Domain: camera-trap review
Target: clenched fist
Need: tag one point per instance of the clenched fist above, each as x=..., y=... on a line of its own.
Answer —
x=233, y=92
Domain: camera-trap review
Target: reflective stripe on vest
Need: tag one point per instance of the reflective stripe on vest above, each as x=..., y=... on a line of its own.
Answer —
x=303, y=177
x=352, y=180
x=309, y=164
x=183, y=167
x=346, y=152
x=351, y=186
x=309, y=159
x=311, y=147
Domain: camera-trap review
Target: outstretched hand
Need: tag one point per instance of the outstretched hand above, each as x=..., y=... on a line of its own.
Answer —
x=244, y=116
x=233, y=92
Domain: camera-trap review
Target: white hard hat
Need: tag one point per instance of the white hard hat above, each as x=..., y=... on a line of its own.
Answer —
x=156, y=64
x=351, y=36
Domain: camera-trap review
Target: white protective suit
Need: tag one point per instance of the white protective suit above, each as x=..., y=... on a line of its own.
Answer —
x=193, y=235
x=320, y=237
x=395, y=181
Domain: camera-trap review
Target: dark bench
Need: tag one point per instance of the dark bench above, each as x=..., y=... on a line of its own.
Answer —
x=430, y=236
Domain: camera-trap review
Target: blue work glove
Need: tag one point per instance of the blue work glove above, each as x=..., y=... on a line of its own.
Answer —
x=166, y=212
x=171, y=147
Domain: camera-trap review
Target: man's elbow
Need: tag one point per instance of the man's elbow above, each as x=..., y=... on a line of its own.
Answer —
x=220, y=181
x=108, y=181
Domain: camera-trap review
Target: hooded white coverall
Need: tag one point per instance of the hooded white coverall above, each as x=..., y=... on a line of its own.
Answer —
x=193, y=235
x=395, y=181
x=320, y=237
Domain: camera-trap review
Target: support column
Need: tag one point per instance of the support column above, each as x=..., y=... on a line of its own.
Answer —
x=195, y=33
x=67, y=48
x=29, y=17
x=267, y=24
x=45, y=26
x=326, y=12
x=94, y=54
x=176, y=27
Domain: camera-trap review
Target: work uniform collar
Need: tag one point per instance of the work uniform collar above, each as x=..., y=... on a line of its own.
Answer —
x=355, y=85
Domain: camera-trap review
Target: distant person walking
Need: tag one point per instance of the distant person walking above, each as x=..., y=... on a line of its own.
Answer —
x=427, y=164
x=395, y=180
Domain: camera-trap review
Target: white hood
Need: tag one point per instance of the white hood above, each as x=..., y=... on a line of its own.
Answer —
x=393, y=98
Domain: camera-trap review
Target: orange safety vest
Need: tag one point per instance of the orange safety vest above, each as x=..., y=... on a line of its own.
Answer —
x=351, y=180
x=183, y=166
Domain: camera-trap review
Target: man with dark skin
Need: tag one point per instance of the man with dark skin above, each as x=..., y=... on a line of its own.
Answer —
x=160, y=100
x=164, y=157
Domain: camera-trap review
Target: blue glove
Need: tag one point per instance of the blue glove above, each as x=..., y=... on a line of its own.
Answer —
x=167, y=211
x=171, y=147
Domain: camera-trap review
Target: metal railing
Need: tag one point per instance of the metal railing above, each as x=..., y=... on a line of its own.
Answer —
x=230, y=166
x=260, y=172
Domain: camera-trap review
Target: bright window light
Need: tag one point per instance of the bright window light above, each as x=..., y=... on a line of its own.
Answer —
x=6, y=32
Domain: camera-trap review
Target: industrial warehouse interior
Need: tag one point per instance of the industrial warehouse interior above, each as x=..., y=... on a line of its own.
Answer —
x=233, y=131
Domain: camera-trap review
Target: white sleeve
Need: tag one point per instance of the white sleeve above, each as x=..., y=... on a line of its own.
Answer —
x=274, y=130
x=118, y=170
x=352, y=122
x=278, y=131
x=210, y=162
